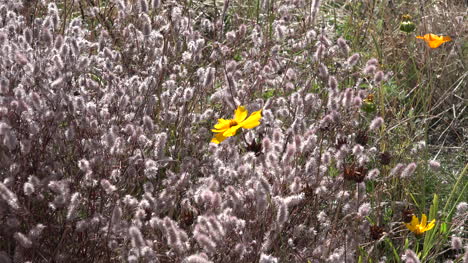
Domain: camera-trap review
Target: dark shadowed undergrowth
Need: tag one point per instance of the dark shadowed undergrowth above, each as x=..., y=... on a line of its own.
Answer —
x=107, y=107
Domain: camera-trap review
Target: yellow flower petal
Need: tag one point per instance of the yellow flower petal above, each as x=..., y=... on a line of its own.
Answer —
x=433, y=40
x=222, y=124
x=419, y=228
x=414, y=221
x=410, y=227
x=217, y=131
x=253, y=120
x=423, y=220
x=240, y=114
x=226, y=128
x=435, y=43
x=218, y=138
x=231, y=131
x=430, y=225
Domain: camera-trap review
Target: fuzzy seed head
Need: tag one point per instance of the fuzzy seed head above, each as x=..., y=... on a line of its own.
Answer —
x=23, y=240
x=364, y=210
x=434, y=165
x=456, y=243
x=370, y=70
x=343, y=45
x=396, y=171
x=197, y=258
x=462, y=208
x=283, y=213
x=410, y=257
x=376, y=123
x=378, y=77
x=28, y=189
x=409, y=170
x=136, y=237
x=353, y=59
x=332, y=83
x=264, y=258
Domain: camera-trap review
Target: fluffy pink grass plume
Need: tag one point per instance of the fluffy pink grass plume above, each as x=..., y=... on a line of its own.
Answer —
x=197, y=258
x=379, y=76
x=323, y=71
x=456, y=243
x=409, y=170
x=267, y=259
x=364, y=210
x=396, y=171
x=410, y=257
x=283, y=213
x=372, y=61
x=373, y=174
x=462, y=208
x=332, y=83
x=376, y=123
x=343, y=45
x=136, y=237
x=369, y=69
x=23, y=240
x=434, y=165
x=353, y=59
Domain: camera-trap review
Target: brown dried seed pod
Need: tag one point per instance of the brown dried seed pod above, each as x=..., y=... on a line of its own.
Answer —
x=340, y=142
x=353, y=173
x=376, y=232
x=407, y=215
x=385, y=158
x=362, y=138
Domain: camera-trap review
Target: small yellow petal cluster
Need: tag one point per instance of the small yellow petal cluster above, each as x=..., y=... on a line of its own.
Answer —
x=433, y=40
x=419, y=228
x=227, y=128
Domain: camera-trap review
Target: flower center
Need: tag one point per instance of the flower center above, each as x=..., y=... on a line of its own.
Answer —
x=419, y=230
x=232, y=123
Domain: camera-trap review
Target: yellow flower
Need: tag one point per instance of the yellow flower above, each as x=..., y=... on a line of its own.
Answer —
x=406, y=17
x=419, y=228
x=227, y=128
x=369, y=98
x=434, y=41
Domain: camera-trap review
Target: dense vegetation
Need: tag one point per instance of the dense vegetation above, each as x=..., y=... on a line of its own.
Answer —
x=339, y=135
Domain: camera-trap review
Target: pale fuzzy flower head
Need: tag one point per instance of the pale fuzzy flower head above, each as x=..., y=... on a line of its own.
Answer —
x=396, y=171
x=376, y=123
x=136, y=237
x=353, y=59
x=409, y=170
x=410, y=257
x=343, y=45
x=369, y=69
x=372, y=61
x=456, y=243
x=267, y=259
x=358, y=149
x=323, y=71
x=22, y=240
x=28, y=188
x=332, y=83
x=197, y=258
x=373, y=174
x=322, y=217
x=434, y=165
x=283, y=213
x=462, y=208
x=364, y=209
x=379, y=76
